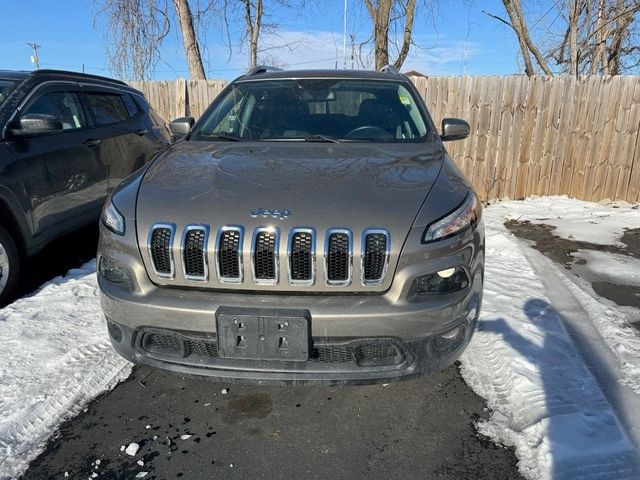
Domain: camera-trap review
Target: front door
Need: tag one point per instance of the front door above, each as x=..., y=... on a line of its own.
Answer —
x=62, y=173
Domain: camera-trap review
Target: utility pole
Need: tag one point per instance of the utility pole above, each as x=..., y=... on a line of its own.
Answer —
x=344, y=37
x=353, y=51
x=34, y=57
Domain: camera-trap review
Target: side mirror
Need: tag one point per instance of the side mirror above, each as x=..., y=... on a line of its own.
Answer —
x=180, y=127
x=454, y=129
x=37, y=124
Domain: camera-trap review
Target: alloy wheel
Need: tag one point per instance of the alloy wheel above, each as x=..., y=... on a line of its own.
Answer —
x=4, y=267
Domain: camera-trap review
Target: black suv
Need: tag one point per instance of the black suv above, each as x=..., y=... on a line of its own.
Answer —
x=66, y=140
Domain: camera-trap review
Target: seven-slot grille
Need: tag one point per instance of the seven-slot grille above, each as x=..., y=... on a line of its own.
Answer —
x=265, y=256
x=338, y=257
x=265, y=246
x=160, y=249
x=301, y=256
x=229, y=254
x=375, y=251
x=194, y=253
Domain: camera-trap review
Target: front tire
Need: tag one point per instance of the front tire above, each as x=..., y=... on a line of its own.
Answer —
x=9, y=267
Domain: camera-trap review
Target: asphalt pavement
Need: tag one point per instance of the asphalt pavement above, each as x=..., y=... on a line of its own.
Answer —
x=188, y=428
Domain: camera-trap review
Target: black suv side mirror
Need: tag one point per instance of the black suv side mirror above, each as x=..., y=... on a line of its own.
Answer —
x=180, y=127
x=37, y=124
x=454, y=129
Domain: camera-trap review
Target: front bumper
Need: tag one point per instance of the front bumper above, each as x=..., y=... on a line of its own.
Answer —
x=423, y=333
x=338, y=361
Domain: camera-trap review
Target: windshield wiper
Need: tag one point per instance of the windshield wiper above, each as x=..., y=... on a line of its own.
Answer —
x=321, y=138
x=224, y=136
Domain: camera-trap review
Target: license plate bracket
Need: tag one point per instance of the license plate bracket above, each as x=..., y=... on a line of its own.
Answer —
x=263, y=334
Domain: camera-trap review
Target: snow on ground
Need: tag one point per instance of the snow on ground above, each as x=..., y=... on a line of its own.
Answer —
x=574, y=219
x=545, y=398
x=545, y=401
x=612, y=267
x=56, y=357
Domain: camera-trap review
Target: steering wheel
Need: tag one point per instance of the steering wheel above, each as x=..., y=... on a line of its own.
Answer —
x=369, y=131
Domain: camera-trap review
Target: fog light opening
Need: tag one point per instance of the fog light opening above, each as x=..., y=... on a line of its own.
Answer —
x=443, y=281
x=451, y=334
x=112, y=271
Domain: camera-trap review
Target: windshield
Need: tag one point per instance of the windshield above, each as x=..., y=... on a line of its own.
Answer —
x=315, y=110
x=6, y=87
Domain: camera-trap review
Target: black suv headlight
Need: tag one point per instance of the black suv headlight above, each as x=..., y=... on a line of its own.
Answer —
x=466, y=215
x=112, y=219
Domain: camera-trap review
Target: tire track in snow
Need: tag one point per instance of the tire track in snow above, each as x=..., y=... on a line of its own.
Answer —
x=544, y=400
x=56, y=359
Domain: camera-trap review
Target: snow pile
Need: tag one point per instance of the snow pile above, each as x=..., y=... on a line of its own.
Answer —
x=56, y=357
x=602, y=224
x=545, y=401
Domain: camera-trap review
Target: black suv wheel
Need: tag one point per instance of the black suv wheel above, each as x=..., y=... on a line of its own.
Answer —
x=9, y=266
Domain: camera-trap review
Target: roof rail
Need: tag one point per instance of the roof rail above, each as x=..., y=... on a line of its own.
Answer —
x=47, y=71
x=390, y=69
x=262, y=69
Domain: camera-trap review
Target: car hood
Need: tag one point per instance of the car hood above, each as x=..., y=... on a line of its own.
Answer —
x=322, y=186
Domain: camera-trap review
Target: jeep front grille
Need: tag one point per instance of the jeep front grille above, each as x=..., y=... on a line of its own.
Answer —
x=302, y=256
x=375, y=256
x=226, y=253
x=265, y=255
x=229, y=254
x=161, y=249
x=338, y=257
x=194, y=253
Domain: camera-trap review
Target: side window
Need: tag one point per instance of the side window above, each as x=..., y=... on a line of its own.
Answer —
x=107, y=108
x=131, y=105
x=65, y=106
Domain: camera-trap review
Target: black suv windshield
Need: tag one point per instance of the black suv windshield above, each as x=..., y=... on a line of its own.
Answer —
x=6, y=87
x=315, y=110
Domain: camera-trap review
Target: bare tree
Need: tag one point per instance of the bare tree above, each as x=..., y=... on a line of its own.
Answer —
x=253, y=22
x=385, y=17
x=189, y=39
x=258, y=20
x=518, y=23
x=136, y=30
x=597, y=36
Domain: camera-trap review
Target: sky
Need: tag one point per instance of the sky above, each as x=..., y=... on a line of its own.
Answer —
x=459, y=40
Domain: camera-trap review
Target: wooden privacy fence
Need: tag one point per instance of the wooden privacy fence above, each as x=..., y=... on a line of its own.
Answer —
x=529, y=135
x=179, y=98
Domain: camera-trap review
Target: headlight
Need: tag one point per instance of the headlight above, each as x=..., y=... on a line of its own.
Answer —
x=463, y=217
x=112, y=218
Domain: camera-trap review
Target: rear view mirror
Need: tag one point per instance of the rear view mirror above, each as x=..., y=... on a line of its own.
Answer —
x=37, y=124
x=454, y=129
x=180, y=127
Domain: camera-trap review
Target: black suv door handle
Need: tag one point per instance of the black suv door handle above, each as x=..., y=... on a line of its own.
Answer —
x=92, y=142
x=141, y=132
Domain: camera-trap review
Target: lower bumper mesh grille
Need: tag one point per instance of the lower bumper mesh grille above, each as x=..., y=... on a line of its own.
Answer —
x=176, y=345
